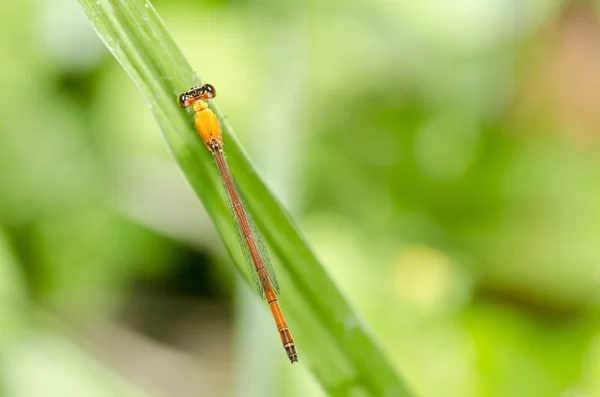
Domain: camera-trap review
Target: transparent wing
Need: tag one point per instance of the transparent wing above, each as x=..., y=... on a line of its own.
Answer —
x=260, y=246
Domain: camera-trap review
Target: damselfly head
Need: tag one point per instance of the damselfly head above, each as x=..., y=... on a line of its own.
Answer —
x=187, y=98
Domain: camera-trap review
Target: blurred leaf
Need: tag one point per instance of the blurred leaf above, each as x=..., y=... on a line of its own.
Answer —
x=47, y=363
x=36, y=355
x=13, y=295
x=12, y=283
x=331, y=338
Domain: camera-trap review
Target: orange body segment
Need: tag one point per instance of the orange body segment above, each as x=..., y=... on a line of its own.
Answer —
x=284, y=332
x=207, y=123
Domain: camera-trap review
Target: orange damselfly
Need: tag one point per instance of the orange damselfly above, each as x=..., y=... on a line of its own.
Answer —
x=255, y=252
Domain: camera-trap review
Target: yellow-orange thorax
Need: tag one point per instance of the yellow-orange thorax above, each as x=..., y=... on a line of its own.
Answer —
x=207, y=125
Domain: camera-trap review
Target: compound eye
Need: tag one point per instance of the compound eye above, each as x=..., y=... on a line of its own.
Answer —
x=182, y=100
x=208, y=91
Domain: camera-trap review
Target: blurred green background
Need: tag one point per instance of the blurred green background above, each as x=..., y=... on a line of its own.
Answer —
x=442, y=158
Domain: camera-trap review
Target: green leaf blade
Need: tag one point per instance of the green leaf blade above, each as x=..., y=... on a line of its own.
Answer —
x=330, y=336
